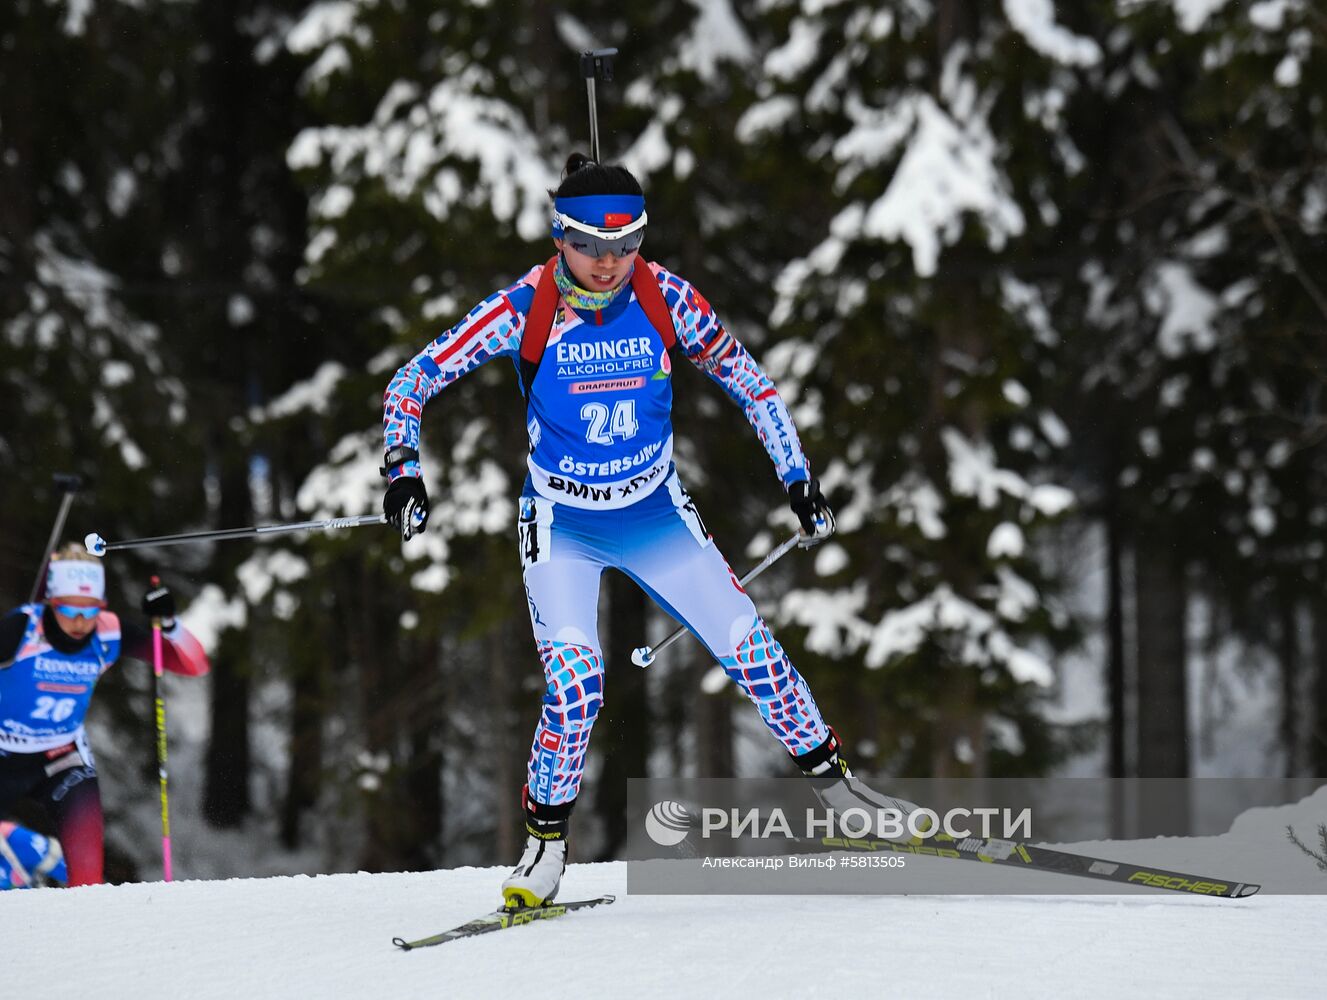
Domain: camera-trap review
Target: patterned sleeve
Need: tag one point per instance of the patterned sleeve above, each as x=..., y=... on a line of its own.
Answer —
x=715, y=351
x=181, y=652
x=491, y=329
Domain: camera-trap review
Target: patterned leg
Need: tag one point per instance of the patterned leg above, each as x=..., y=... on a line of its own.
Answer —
x=575, y=676
x=75, y=804
x=765, y=674
x=670, y=554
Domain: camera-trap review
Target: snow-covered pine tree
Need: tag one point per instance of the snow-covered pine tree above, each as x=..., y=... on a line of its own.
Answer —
x=920, y=354
x=1198, y=361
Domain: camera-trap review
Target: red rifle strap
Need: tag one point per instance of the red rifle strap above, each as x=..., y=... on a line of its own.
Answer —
x=539, y=320
x=645, y=284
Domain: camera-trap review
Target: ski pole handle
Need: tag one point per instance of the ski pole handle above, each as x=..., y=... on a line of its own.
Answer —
x=98, y=546
x=412, y=519
x=643, y=656
x=68, y=482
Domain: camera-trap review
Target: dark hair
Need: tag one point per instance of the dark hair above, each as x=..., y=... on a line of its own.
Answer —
x=582, y=175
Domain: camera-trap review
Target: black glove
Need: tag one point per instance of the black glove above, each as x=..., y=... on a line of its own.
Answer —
x=159, y=602
x=406, y=504
x=808, y=503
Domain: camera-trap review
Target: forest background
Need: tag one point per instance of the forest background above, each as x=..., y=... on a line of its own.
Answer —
x=1043, y=284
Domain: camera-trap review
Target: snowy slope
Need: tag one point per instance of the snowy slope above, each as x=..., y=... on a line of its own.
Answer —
x=330, y=936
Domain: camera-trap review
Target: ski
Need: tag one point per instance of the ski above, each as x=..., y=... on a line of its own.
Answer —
x=501, y=919
x=1019, y=855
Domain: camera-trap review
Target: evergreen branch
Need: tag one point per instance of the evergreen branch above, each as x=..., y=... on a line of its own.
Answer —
x=1283, y=245
x=1321, y=859
x=1191, y=165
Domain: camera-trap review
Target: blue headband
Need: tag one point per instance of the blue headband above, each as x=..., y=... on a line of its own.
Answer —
x=603, y=211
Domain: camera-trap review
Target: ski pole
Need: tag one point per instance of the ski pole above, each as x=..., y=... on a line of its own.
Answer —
x=596, y=63
x=161, y=738
x=643, y=656
x=98, y=546
x=70, y=485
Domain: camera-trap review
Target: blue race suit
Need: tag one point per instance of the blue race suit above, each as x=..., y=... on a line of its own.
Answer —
x=602, y=492
x=46, y=683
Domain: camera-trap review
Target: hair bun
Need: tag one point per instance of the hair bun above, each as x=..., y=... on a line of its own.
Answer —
x=576, y=161
x=584, y=176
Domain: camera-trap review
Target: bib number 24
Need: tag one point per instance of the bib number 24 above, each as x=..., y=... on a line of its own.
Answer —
x=606, y=425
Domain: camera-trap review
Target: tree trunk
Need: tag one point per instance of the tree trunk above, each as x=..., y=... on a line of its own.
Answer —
x=309, y=704
x=1116, y=658
x=423, y=769
x=1319, y=745
x=23, y=87
x=217, y=249
x=1288, y=654
x=677, y=709
x=376, y=655
x=959, y=750
x=1117, y=755
x=714, y=729
x=622, y=733
x=513, y=656
x=226, y=800
x=1163, y=725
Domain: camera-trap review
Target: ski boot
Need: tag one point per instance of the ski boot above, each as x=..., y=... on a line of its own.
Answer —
x=537, y=877
x=838, y=791
x=28, y=860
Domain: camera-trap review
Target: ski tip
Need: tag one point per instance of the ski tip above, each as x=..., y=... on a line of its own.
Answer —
x=1247, y=889
x=401, y=943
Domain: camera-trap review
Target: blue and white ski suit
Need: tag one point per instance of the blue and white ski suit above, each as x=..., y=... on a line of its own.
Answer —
x=602, y=492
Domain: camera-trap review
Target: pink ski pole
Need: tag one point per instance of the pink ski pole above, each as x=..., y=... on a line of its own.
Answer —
x=161, y=739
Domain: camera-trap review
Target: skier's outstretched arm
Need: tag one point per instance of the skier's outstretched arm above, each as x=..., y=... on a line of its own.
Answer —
x=491, y=329
x=181, y=652
x=711, y=348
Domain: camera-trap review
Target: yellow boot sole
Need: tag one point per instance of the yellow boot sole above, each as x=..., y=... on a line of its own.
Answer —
x=519, y=898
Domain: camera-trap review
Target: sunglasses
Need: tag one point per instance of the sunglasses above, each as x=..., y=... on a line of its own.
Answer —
x=71, y=611
x=595, y=242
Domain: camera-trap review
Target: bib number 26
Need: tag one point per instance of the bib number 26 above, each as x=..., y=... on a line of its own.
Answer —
x=54, y=709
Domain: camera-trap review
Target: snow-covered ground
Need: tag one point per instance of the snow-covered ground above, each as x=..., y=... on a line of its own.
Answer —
x=330, y=936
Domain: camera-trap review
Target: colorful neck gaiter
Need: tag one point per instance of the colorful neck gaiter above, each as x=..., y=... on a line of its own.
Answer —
x=577, y=297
